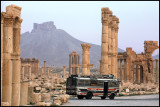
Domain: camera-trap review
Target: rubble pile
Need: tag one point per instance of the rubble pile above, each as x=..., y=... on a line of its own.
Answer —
x=138, y=89
x=47, y=91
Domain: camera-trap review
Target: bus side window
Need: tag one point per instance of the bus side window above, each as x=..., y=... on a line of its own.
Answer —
x=100, y=83
x=87, y=83
x=81, y=82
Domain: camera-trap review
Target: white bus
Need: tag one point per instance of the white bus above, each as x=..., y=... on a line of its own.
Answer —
x=88, y=86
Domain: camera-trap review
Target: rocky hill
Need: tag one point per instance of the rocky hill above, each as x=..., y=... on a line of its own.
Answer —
x=46, y=42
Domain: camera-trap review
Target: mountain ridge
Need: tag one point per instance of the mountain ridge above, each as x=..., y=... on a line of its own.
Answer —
x=46, y=42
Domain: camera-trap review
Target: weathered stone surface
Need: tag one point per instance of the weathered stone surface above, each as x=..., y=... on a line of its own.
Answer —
x=4, y=104
x=45, y=97
x=57, y=102
x=40, y=104
x=143, y=64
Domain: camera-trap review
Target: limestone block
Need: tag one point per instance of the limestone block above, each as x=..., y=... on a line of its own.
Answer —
x=127, y=90
x=4, y=104
x=38, y=88
x=142, y=92
x=35, y=98
x=34, y=84
x=57, y=102
x=40, y=104
x=13, y=10
x=45, y=97
x=48, y=104
x=47, y=85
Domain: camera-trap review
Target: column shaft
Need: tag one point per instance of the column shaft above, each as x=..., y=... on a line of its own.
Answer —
x=64, y=72
x=121, y=72
x=125, y=70
x=157, y=72
x=7, y=63
x=104, y=50
x=153, y=74
x=85, y=59
x=137, y=73
x=16, y=71
x=29, y=72
x=2, y=18
x=24, y=94
x=45, y=67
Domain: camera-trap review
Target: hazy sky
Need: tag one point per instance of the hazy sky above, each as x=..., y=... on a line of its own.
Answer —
x=139, y=21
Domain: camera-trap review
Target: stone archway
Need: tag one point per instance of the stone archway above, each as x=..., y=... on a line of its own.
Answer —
x=138, y=73
x=141, y=74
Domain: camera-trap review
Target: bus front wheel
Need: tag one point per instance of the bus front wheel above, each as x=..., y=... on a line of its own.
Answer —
x=89, y=95
x=80, y=96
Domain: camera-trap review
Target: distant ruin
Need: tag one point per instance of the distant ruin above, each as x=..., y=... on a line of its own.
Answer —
x=142, y=64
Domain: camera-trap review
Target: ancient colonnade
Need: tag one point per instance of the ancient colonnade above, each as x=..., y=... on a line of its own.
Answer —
x=74, y=63
x=10, y=49
x=109, y=46
x=139, y=68
x=138, y=72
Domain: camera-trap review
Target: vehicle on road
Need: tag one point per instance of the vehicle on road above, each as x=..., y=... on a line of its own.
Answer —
x=89, y=86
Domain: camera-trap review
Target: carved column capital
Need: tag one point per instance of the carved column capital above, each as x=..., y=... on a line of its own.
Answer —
x=8, y=20
x=17, y=22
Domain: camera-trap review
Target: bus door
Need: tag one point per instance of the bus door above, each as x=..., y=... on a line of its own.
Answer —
x=105, y=89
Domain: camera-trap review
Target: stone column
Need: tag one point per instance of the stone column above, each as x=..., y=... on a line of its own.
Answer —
x=2, y=18
x=24, y=93
x=85, y=55
x=16, y=73
x=138, y=74
x=121, y=72
x=78, y=65
x=29, y=72
x=69, y=65
x=116, y=44
x=7, y=63
x=113, y=61
x=22, y=73
x=125, y=70
x=157, y=71
x=77, y=70
x=153, y=74
x=37, y=66
x=137, y=66
x=104, y=46
x=64, y=72
x=44, y=67
x=110, y=61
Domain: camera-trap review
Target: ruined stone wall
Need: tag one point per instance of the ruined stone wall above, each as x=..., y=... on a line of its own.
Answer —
x=139, y=68
x=33, y=62
x=74, y=63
